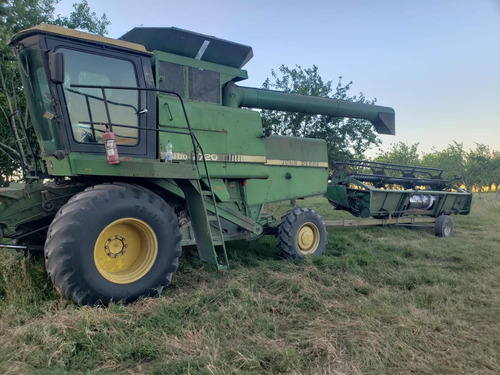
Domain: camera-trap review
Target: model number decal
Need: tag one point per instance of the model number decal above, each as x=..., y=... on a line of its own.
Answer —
x=235, y=158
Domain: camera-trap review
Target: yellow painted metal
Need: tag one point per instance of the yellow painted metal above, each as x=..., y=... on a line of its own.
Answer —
x=62, y=31
x=297, y=163
x=232, y=158
x=125, y=250
x=308, y=238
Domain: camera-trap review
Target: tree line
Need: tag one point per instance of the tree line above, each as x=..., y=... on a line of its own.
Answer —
x=351, y=138
x=476, y=169
x=346, y=138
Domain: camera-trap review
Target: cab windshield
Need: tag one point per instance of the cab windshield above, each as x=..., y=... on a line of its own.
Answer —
x=87, y=107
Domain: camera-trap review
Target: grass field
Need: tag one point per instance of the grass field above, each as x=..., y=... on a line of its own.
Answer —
x=381, y=301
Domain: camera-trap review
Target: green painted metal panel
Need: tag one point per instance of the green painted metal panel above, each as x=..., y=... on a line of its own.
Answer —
x=219, y=129
x=453, y=202
x=296, y=149
x=246, y=170
x=57, y=167
x=24, y=203
x=297, y=168
x=287, y=182
x=97, y=165
x=219, y=189
x=229, y=73
x=382, y=118
x=199, y=220
x=338, y=193
x=191, y=44
x=231, y=139
x=383, y=202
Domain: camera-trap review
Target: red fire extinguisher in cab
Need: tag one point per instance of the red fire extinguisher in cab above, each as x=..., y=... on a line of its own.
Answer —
x=110, y=145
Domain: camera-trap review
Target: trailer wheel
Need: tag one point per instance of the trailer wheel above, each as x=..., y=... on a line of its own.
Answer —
x=443, y=226
x=301, y=233
x=114, y=242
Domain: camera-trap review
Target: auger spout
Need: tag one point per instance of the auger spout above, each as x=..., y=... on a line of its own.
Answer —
x=382, y=118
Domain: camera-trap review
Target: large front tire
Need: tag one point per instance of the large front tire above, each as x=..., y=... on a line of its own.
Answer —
x=301, y=233
x=114, y=242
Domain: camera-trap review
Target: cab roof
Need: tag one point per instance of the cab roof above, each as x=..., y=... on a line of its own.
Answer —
x=167, y=39
x=71, y=33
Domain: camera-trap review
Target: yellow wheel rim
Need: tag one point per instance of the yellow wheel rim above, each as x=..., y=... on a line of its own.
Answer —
x=308, y=238
x=125, y=250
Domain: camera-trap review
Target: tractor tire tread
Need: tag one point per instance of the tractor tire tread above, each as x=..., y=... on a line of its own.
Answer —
x=287, y=231
x=70, y=218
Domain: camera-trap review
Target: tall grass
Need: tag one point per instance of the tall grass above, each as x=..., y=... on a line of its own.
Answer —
x=388, y=300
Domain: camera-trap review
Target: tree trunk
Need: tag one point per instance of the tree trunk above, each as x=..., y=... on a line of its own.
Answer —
x=12, y=119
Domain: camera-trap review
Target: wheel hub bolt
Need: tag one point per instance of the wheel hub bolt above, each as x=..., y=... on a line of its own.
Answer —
x=306, y=237
x=115, y=246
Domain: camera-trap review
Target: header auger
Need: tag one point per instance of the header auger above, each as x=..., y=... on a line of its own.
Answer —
x=118, y=207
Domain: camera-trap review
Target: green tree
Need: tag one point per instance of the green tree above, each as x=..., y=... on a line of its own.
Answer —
x=495, y=171
x=15, y=16
x=344, y=137
x=474, y=168
x=83, y=18
x=3, y=9
x=400, y=153
x=453, y=160
x=480, y=166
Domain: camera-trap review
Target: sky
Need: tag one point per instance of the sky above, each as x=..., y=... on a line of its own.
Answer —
x=436, y=62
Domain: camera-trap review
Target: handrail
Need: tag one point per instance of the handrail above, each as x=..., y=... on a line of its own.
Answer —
x=379, y=168
x=191, y=134
x=194, y=140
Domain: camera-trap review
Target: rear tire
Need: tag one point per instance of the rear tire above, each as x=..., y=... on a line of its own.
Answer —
x=113, y=242
x=443, y=226
x=301, y=233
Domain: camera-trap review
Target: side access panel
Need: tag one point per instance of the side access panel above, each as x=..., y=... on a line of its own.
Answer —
x=298, y=167
x=231, y=138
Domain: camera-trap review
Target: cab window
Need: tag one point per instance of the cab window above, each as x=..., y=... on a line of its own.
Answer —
x=86, y=106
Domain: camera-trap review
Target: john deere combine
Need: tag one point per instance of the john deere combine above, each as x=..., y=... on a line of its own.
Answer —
x=147, y=145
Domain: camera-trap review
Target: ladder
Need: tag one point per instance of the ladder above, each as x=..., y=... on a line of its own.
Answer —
x=197, y=192
x=211, y=248
x=206, y=227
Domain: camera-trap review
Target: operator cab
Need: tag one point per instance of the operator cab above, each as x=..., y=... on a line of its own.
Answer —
x=91, y=83
x=102, y=85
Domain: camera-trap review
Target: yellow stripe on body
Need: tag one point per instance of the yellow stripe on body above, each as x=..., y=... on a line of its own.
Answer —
x=297, y=163
x=237, y=158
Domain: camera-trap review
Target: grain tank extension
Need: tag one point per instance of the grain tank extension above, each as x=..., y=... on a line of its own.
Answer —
x=106, y=202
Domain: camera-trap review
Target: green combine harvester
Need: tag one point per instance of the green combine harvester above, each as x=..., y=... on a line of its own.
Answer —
x=146, y=144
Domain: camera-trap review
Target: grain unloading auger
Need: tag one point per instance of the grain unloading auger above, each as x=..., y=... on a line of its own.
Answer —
x=147, y=149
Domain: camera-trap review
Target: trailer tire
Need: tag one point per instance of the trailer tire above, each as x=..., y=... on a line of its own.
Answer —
x=301, y=233
x=112, y=242
x=443, y=226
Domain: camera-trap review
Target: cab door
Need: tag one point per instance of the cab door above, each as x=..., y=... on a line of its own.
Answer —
x=125, y=108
